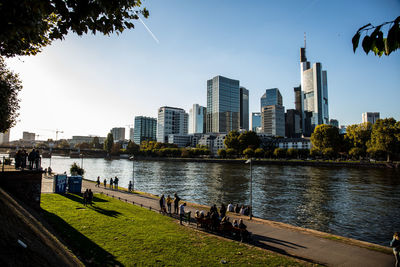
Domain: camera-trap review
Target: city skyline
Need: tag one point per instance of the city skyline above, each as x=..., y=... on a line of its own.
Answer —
x=88, y=85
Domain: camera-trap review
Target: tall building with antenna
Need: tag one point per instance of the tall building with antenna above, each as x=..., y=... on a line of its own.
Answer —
x=314, y=94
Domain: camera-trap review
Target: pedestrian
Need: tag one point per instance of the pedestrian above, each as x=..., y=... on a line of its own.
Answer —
x=181, y=212
x=98, y=181
x=105, y=182
x=85, y=197
x=162, y=204
x=111, y=183
x=237, y=208
x=31, y=158
x=37, y=159
x=90, y=197
x=176, y=203
x=395, y=244
x=169, y=202
x=116, y=182
x=130, y=186
x=222, y=211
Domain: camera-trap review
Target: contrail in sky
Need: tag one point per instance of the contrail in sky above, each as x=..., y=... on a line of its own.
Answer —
x=147, y=28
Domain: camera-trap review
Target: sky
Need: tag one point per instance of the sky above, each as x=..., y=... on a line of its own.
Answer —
x=87, y=85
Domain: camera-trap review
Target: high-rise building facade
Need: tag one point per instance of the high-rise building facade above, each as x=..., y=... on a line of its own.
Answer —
x=292, y=123
x=5, y=137
x=118, y=133
x=314, y=94
x=27, y=136
x=273, y=120
x=244, y=108
x=131, y=133
x=197, y=119
x=145, y=129
x=271, y=97
x=223, y=105
x=256, y=121
x=371, y=117
x=171, y=121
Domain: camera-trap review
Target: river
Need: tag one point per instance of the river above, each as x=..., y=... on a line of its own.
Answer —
x=359, y=203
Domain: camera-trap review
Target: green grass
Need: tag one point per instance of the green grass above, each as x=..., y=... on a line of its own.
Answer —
x=116, y=233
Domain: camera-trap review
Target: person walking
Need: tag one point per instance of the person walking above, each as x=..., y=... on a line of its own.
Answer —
x=181, y=212
x=85, y=197
x=105, y=182
x=176, y=203
x=111, y=183
x=395, y=244
x=162, y=204
x=130, y=186
x=98, y=181
x=90, y=197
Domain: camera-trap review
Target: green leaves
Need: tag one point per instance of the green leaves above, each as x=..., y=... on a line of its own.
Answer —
x=375, y=41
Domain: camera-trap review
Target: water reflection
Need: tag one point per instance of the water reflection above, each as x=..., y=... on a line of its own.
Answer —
x=361, y=204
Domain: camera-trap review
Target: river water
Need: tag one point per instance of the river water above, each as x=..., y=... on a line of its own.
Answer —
x=359, y=203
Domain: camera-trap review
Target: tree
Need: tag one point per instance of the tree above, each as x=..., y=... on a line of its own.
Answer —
x=358, y=135
x=115, y=150
x=63, y=144
x=29, y=25
x=10, y=85
x=249, y=139
x=279, y=152
x=292, y=153
x=232, y=140
x=384, y=137
x=230, y=152
x=375, y=41
x=96, y=142
x=221, y=153
x=325, y=136
x=248, y=152
x=76, y=169
x=132, y=148
x=259, y=152
x=108, y=143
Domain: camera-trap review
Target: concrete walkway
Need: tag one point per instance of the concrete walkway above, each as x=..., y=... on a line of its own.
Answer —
x=281, y=238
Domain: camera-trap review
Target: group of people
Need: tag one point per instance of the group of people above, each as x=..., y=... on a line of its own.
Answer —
x=88, y=197
x=33, y=158
x=243, y=210
x=113, y=182
x=167, y=202
x=220, y=219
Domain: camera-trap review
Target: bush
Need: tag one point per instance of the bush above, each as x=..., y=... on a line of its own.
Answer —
x=230, y=152
x=280, y=153
x=292, y=153
x=76, y=169
x=248, y=152
x=259, y=153
x=222, y=153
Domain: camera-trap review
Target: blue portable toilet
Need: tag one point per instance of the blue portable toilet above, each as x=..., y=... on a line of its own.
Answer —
x=60, y=183
x=75, y=184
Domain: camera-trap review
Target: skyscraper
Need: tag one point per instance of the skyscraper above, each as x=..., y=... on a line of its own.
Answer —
x=271, y=97
x=118, y=133
x=145, y=129
x=244, y=108
x=171, y=121
x=273, y=120
x=197, y=119
x=223, y=105
x=370, y=117
x=314, y=94
x=5, y=137
x=256, y=121
x=292, y=123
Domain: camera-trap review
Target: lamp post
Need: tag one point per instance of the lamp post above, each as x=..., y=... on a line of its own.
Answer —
x=249, y=161
x=133, y=172
x=82, y=160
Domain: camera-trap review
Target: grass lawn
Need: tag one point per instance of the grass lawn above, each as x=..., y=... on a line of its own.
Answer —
x=112, y=232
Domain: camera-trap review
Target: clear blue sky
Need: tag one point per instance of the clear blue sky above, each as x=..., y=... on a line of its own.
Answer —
x=87, y=85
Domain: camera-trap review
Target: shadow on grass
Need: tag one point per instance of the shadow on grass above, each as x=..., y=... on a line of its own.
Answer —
x=78, y=198
x=111, y=213
x=86, y=250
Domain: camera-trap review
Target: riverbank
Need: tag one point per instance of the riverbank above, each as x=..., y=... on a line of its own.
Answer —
x=292, y=162
x=288, y=240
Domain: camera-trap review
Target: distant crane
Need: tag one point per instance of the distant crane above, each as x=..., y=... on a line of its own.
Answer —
x=54, y=131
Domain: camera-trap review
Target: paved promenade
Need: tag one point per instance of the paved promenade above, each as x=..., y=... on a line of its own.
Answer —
x=278, y=237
